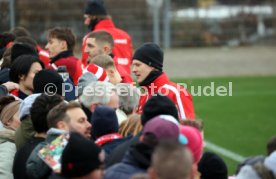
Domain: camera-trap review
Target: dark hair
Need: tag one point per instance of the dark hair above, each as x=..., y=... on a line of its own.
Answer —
x=6, y=59
x=20, y=32
x=26, y=40
x=102, y=36
x=6, y=38
x=58, y=113
x=4, y=101
x=65, y=34
x=22, y=65
x=40, y=108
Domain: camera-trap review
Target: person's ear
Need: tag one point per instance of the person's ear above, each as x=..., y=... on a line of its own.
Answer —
x=21, y=77
x=62, y=125
x=106, y=49
x=151, y=173
x=111, y=71
x=64, y=45
x=8, y=123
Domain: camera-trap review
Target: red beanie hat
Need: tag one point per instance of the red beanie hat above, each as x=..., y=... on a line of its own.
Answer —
x=195, y=141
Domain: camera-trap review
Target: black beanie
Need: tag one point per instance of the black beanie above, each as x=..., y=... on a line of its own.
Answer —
x=45, y=78
x=19, y=49
x=158, y=105
x=150, y=54
x=80, y=157
x=211, y=166
x=104, y=121
x=95, y=8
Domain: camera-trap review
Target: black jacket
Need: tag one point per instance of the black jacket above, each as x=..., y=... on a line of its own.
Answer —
x=137, y=160
x=21, y=157
x=118, y=153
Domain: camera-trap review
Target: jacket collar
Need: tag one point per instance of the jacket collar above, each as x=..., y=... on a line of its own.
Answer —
x=106, y=23
x=159, y=81
x=63, y=54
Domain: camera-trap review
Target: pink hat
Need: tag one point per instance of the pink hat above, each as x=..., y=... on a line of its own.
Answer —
x=195, y=141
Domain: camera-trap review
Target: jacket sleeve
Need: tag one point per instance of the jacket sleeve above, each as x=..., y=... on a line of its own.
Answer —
x=7, y=152
x=182, y=99
x=3, y=90
x=35, y=166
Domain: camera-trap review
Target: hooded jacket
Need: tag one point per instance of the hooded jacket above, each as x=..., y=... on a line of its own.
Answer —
x=7, y=152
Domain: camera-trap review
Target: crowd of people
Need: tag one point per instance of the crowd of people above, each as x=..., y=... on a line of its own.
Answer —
x=93, y=119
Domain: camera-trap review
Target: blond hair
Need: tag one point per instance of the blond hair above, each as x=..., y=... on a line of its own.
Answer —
x=131, y=126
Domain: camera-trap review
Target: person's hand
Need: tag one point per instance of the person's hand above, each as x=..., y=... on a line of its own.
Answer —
x=11, y=85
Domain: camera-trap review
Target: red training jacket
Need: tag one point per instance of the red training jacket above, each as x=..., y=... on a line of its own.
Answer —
x=179, y=95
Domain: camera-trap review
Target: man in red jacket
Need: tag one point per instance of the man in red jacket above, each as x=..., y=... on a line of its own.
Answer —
x=147, y=67
x=102, y=43
x=61, y=43
x=96, y=18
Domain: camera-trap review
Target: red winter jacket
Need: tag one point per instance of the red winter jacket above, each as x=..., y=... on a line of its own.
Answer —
x=43, y=55
x=72, y=63
x=122, y=50
x=179, y=95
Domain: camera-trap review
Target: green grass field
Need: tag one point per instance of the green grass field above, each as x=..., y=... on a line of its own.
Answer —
x=243, y=122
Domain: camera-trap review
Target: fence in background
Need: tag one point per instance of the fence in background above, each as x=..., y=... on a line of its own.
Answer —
x=136, y=17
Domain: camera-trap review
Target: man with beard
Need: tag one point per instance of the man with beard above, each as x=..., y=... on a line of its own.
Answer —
x=96, y=18
x=62, y=119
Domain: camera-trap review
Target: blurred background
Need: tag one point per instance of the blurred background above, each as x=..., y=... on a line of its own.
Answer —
x=171, y=23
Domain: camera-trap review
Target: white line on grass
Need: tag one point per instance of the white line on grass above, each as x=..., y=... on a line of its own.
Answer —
x=254, y=93
x=225, y=152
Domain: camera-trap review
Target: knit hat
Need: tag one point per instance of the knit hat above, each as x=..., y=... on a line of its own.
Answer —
x=162, y=127
x=47, y=79
x=99, y=72
x=95, y=8
x=247, y=172
x=150, y=54
x=211, y=166
x=19, y=49
x=195, y=141
x=26, y=105
x=270, y=162
x=156, y=105
x=80, y=157
x=104, y=121
x=9, y=111
x=84, y=80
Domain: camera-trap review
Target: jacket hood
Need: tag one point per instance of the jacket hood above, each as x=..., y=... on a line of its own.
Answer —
x=7, y=135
